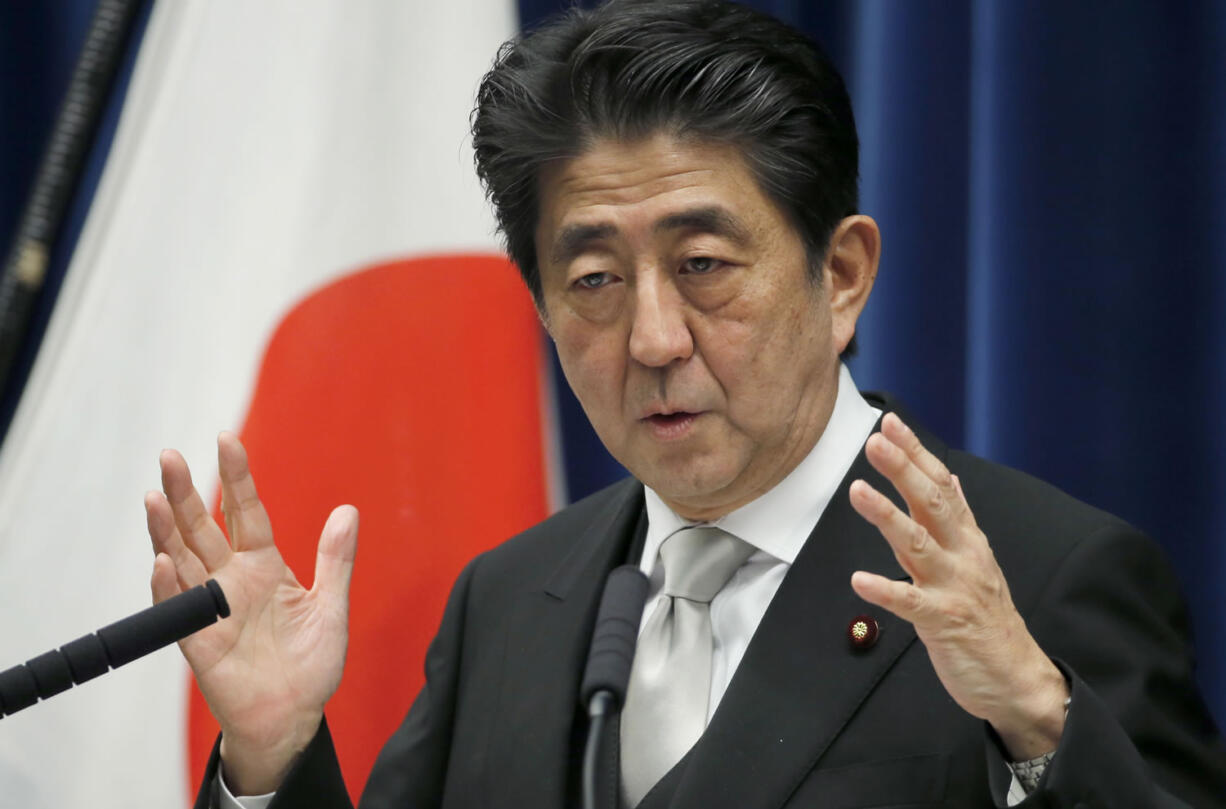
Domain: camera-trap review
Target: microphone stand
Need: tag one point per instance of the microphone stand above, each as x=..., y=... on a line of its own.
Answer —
x=603, y=691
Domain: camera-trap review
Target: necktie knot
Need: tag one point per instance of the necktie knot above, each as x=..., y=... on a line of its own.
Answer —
x=699, y=561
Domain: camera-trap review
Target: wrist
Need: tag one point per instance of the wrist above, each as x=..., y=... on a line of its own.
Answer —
x=257, y=766
x=1032, y=724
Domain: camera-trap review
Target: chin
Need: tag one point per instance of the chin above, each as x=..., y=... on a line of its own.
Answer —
x=685, y=485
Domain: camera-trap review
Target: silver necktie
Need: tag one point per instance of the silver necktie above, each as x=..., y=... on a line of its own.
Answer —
x=670, y=681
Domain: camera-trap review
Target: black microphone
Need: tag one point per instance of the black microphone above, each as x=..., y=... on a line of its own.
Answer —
x=112, y=646
x=603, y=689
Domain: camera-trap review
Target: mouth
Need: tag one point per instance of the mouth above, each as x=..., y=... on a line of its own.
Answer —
x=671, y=425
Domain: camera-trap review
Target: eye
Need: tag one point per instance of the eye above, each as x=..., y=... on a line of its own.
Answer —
x=594, y=280
x=701, y=265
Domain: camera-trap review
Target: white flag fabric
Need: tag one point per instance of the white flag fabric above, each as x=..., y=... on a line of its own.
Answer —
x=266, y=151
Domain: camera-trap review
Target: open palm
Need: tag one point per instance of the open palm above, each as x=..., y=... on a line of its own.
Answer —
x=268, y=669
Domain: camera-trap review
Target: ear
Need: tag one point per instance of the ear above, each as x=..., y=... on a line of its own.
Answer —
x=849, y=272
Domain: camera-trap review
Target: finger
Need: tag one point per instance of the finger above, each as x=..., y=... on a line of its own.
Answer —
x=905, y=438
x=924, y=497
x=165, y=537
x=958, y=489
x=245, y=514
x=164, y=582
x=338, y=546
x=196, y=526
x=899, y=597
x=913, y=545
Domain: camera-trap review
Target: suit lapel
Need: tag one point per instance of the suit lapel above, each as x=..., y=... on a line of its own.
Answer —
x=548, y=635
x=800, y=681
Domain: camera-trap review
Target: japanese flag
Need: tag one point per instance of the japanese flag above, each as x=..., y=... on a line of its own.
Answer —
x=288, y=240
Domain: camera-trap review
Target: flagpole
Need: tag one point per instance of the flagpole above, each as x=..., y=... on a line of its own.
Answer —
x=59, y=173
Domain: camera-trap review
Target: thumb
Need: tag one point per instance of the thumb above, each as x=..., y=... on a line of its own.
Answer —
x=338, y=545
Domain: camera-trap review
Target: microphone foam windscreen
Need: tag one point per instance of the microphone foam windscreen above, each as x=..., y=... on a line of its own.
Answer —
x=159, y=625
x=615, y=634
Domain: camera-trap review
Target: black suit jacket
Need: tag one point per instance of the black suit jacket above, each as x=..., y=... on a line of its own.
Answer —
x=807, y=721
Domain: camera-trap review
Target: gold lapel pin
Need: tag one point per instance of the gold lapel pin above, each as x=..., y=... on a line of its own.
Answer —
x=863, y=631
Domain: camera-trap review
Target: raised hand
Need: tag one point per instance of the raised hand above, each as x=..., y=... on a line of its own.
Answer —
x=267, y=670
x=957, y=600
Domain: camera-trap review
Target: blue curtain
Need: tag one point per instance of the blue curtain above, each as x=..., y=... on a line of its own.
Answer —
x=1050, y=180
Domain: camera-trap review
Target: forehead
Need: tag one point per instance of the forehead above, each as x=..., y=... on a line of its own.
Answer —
x=629, y=183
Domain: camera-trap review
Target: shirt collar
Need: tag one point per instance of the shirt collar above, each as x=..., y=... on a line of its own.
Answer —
x=781, y=520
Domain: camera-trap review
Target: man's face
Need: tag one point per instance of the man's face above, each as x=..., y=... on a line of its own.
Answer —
x=685, y=318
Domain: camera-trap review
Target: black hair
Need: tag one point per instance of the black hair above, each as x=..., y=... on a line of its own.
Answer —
x=693, y=68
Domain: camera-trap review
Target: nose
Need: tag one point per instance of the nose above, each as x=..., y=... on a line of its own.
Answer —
x=659, y=333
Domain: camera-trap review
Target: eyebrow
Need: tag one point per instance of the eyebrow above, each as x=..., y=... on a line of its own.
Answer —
x=714, y=220
x=574, y=239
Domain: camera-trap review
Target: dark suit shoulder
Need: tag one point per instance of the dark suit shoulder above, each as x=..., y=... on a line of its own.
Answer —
x=1018, y=512
x=1036, y=529
x=534, y=555
x=1010, y=491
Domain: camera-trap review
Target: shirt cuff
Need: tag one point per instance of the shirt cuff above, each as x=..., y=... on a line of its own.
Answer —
x=1025, y=775
x=224, y=800
x=1015, y=795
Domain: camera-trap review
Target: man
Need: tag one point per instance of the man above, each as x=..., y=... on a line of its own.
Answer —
x=893, y=623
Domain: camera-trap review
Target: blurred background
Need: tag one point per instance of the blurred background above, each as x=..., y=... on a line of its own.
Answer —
x=263, y=217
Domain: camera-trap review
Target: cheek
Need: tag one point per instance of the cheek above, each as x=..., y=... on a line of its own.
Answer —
x=748, y=342
x=765, y=360
x=593, y=366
